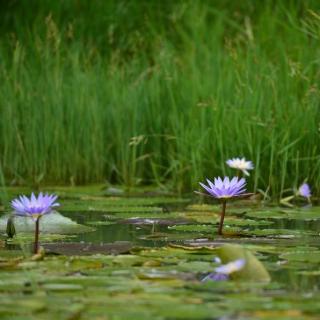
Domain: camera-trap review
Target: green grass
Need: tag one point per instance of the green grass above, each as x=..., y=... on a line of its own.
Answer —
x=137, y=92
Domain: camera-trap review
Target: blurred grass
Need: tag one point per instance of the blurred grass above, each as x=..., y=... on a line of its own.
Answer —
x=138, y=92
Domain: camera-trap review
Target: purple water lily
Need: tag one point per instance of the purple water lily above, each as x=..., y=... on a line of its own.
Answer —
x=226, y=188
x=223, y=272
x=304, y=191
x=223, y=190
x=34, y=208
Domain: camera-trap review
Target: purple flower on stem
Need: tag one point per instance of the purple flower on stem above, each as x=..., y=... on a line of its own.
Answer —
x=223, y=190
x=240, y=164
x=304, y=191
x=223, y=272
x=34, y=208
x=226, y=188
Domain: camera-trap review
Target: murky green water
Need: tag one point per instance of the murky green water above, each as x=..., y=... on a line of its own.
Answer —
x=113, y=232
x=161, y=249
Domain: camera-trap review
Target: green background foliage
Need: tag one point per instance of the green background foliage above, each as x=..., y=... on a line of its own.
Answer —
x=162, y=92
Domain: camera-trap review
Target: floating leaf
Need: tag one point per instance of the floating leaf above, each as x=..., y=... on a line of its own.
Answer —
x=280, y=233
x=307, y=214
x=101, y=223
x=61, y=287
x=169, y=236
x=193, y=228
x=51, y=223
x=303, y=256
x=155, y=221
x=68, y=248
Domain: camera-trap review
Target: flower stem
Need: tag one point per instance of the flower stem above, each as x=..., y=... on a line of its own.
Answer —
x=224, y=204
x=10, y=230
x=36, y=237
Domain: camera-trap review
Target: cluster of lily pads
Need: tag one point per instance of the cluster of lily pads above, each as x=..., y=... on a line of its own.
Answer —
x=223, y=189
x=37, y=206
x=227, y=188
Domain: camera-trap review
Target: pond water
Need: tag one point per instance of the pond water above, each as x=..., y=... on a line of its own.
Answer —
x=144, y=258
x=117, y=231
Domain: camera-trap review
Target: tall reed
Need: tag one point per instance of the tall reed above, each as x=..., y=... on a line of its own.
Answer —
x=137, y=92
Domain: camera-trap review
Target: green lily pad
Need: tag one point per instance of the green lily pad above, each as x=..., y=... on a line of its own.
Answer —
x=102, y=207
x=62, y=287
x=23, y=238
x=195, y=266
x=100, y=223
x=170, y=236
x=307, y=214
x=142, y=215
x=228, y=222
x=302, y=256
x=280, y=233
x=193, y=228
x=155, y=221
x=119, y=204
x=51, y=223
x=69, y=248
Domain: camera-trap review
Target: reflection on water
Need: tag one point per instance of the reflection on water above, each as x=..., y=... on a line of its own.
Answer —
x=118, y=231
x=114, y=232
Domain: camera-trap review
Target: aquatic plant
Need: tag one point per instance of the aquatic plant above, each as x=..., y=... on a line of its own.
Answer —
x=223, y=190
x=34, y=208
x=223, y=272
x=240, y=164
x=304, y=191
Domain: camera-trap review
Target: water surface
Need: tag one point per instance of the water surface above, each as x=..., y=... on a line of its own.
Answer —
x=159, y=275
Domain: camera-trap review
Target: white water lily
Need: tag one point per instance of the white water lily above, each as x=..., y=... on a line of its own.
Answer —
x=240, y=164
